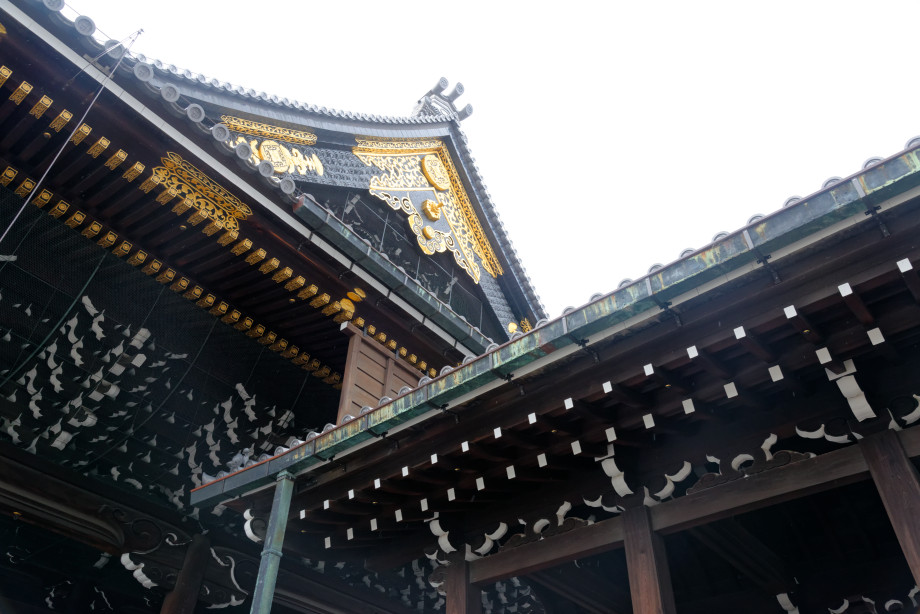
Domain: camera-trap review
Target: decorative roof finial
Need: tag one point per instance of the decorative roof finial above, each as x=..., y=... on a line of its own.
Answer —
x=437, y=102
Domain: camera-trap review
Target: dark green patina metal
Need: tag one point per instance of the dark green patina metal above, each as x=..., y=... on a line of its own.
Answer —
x=849, y=199
x=271, y=553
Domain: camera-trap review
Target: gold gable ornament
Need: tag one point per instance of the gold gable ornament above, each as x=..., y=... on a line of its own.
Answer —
x=200, y=191
x=417, y=174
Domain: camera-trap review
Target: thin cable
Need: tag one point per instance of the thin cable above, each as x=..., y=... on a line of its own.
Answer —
x=57, y=326
x=64, y=145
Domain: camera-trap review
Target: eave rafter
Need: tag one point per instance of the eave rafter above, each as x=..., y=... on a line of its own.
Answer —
x=119, y=199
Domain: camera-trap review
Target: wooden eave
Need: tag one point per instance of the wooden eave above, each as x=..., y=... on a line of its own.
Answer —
x=609, y=386
x=147, y=220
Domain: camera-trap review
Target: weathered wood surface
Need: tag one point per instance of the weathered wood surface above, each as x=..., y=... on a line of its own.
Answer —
x=830, y=470
x=463, y=597
x=898, y=483
x=647, y=565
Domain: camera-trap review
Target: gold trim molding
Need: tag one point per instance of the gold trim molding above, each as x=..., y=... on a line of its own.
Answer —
x=200, y=191
x=245, y=126
x=424, y=165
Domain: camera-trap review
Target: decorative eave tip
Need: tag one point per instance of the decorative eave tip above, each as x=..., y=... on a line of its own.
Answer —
x=439, y=102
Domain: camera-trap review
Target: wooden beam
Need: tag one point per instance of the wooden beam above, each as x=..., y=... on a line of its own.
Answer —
x=647, y=564
x=824, y=472
x=463, y=597
x=535, y=556
x=898, y=483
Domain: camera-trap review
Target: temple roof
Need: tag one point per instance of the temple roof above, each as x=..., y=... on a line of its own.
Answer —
x=435, y=115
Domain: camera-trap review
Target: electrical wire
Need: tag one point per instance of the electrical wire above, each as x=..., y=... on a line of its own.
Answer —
x=79, y=123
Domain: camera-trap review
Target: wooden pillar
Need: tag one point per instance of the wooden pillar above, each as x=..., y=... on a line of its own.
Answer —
x=462, y=597
x=183, y=598
x=896, y=479
x=646, y=564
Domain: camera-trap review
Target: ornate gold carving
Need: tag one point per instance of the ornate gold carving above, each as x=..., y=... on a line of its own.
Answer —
x=81, y=133
x=307, y=292
x=206, y=302
x=197, y=217
x=92, y=230
x=269, y=265
x=137, y=258
x=194, y=294
x=203, y=193
x=183, y=206
x=20, y=93
x=411, y=166
x=246, y=126
x=75, y=220
x=220, y=310
x=59, y=209
x=98, y=147
x=152, y=267
x=149, y=183
x=245, y=324
x=42, y=199
x=4, y=74
x=301, y=359
x=228, y=237
x=290, y=351
x=231, y=317
x=61, y=120
x=267, y=338
x=24, y=188
x=9, y=173
x=212, y=228
x=166, y=276
x=256, y=332
x=39, y=108
x=136, y=169
x=283, y=159
x=526, y=325
x=256, y=256
x=332, y=308
x=435, y=172
x=282, y=275
x=122, y=250
x=279, y=345
x=391, y=344
x=117, y=158
x=180, y=284
x=108, y=240
x=295, y=284
x=319, y=301
x=431, y=209
x=167, y=195
x=241, y=247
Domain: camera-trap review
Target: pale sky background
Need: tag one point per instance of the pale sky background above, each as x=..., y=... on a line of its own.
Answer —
x=611, y=135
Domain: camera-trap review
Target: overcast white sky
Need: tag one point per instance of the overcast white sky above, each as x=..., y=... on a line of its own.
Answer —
x=611, y=135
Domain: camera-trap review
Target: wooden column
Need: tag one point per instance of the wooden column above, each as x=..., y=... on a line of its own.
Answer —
x=647, y=564
x=896, y=479
x=184, y=596
x=462, y=597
